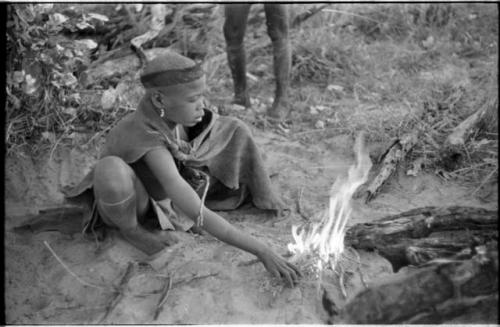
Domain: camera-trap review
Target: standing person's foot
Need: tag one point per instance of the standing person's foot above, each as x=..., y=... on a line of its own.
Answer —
x=279, y=110
x=242, y=99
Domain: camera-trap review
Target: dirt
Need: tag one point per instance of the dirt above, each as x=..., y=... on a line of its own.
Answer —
x=211, y=282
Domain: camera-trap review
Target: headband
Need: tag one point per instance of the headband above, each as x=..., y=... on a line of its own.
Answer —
x=172, y=77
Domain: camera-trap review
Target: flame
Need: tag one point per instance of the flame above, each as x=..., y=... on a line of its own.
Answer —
x=325, y=239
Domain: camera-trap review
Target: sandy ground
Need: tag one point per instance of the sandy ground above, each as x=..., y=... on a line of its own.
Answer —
x=211, y=282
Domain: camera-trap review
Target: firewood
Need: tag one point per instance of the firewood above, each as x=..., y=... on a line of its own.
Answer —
x=392, y=157
x=465, y=128
x=423, y=234
x=419, y=235
x=434, y=294
x=157, y=23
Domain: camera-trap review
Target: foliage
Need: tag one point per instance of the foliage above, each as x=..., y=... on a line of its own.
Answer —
x=44, y=97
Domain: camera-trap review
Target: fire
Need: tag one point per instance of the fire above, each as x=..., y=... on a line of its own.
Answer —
x=325, y=239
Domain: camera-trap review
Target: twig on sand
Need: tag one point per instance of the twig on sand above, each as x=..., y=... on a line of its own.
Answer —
x=69, y=270
x=120, y=291
x=248, y=263
x=174, y=284
x=189, y=280
x=299, y=207
x=164, y=296
x=254, y=261
x=485, y=180
x=185, y=280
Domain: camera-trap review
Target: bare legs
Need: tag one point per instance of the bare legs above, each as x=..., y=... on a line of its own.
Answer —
x=277, y=27
x=121, y=200
x=234, y=32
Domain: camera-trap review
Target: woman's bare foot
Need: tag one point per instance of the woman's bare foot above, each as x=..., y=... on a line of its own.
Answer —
x=148, y=242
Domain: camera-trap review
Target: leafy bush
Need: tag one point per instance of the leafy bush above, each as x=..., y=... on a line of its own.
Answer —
x=44, y=98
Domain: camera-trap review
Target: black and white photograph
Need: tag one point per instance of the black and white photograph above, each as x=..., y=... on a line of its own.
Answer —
x=172, y=163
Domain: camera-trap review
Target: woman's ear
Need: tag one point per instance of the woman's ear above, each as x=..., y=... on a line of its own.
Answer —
x=157, y=100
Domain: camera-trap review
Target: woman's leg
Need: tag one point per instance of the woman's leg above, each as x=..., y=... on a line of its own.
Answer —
x=235, y=23
x=122, y=199
x=277, y=28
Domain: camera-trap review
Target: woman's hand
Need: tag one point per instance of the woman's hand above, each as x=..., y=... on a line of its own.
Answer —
x=279, y=267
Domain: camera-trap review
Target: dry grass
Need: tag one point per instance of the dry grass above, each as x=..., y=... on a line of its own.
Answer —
x=402, y=67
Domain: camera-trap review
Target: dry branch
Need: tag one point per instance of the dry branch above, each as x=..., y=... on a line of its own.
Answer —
x=465, y=128
x=163, y=297
x=299, y=205
x=392, y=157
x=120, y=293
x=157, y=23
x=434, y=294
x=118, y=66
x=420, y=235
x=302, y=17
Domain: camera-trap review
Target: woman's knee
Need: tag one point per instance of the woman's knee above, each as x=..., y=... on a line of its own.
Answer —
x=277, y=22
x=235, y=23
x=113, y=179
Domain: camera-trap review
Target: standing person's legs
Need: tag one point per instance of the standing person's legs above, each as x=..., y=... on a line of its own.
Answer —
x=121, y=200
x=236, y=16
x=277, y=28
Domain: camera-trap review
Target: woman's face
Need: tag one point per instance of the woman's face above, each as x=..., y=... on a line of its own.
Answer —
x=185, y=104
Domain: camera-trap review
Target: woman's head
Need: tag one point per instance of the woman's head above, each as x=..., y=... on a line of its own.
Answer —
x=175, y=85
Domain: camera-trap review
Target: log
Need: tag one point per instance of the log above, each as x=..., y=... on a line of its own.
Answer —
x=434, y=294
x=423, y=234
x=389, y=162
x=483, y=120
x=460, y=134
x=127, y=65
x=157, y=23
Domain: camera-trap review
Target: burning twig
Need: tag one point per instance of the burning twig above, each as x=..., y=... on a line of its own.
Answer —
x=299, y=207
x=359, y=268
x=120, y=291
x=341, y=281
x=69, y=270
x=164, y=296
